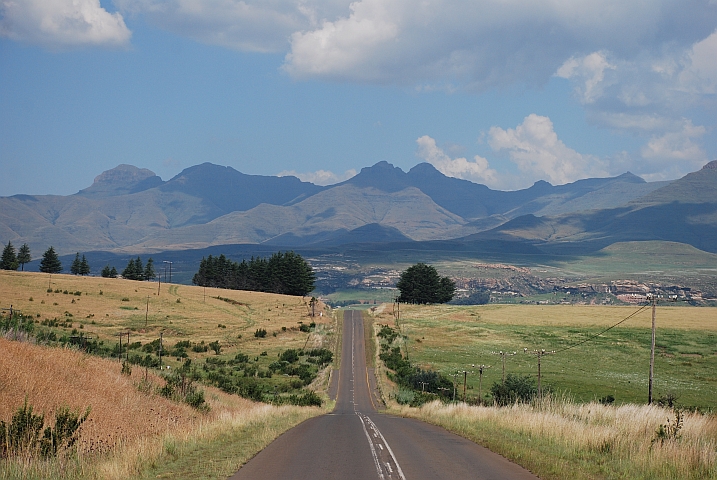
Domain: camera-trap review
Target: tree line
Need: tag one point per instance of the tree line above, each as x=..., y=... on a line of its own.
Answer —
x=50, y=263
x=284, y=273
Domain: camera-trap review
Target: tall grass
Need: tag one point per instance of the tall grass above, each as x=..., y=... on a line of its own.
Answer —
x=130, y=430
x=558, y=438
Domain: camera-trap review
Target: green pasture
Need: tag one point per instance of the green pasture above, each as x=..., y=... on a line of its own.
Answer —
x=453, y=339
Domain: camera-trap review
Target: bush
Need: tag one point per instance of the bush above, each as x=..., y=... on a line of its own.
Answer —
x=260, y=333
x=290, y=356
x=516, y=389
x=22, y=435
x=216, y=347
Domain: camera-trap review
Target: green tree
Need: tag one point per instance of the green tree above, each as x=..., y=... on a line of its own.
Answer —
x=84, y=266
x=23, y=256
x=9, y=258
x=149, y=273
x=50, y=262
x=421, y=284
x=113, y=272
x=76, y=265
x=134, y=270
x=105, y=272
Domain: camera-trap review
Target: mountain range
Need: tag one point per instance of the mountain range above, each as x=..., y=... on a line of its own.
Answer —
x=132, y=210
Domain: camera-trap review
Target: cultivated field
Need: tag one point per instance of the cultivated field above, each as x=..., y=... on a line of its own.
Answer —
x=454, y=338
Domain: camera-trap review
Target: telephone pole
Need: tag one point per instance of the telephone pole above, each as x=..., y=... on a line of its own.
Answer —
x=503, y=355
x=653, y=299
x=540, y=354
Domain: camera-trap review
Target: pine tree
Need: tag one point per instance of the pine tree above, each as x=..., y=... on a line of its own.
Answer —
x=149, y=270
x=106, y=272
x=113, y=272
x=84, y=266
x=134, y=270
x=75, y=267
x=23, y=256
x=50, y=262
x=9, y=259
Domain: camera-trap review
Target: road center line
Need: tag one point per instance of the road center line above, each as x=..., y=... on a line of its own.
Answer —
x=379, y=470
x=388, y=447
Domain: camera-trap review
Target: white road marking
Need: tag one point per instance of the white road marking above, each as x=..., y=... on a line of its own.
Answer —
x=373, y=450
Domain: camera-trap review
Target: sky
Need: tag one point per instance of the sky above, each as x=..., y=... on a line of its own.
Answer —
x=499, y=92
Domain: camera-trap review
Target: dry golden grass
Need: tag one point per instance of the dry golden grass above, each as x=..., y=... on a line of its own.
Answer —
x=131, y=429
x=128, y=431
x=180, y=312
x=560, y=439
x=52, y=377
x=687, y=318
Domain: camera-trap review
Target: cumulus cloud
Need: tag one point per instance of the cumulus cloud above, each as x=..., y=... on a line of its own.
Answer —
x=536, y=150
x=477, y=170
x=62, y=23
x=247, y=25
x=591, y=71
x=700, y=72
x=678, y=146
x=319, y=177
x=491, y=43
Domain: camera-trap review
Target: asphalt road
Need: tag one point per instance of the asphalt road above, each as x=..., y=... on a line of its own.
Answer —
x=356, y=442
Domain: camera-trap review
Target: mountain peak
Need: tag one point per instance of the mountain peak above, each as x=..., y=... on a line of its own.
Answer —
x=382, y=176
x=121, y=180
x=630, y=177
x=711, y=165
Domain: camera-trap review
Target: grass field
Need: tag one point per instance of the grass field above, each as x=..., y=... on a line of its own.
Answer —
x=132, y=431
x=454, y=338
x=102, y=308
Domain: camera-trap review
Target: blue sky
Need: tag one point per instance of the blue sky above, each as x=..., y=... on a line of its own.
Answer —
x=501, y=92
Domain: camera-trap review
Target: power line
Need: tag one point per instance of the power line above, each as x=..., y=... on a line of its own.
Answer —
x=607, y=329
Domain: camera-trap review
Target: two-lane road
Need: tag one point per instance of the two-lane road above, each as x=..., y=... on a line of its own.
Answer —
x=356, y=442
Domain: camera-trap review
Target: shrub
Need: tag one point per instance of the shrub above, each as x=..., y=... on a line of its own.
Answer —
x=241, y=358
x=22, y=435
x=216, y=347
x=290, y=355
x=260, y=333
x=516, y=389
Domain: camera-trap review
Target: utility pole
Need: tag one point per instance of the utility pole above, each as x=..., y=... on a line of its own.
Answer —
x=481, y=369
x=455, y=383
x=652, y=298
x=165, y=271
x=539, y=354
x=465, y=381
x=160, y=350
x=503, y=355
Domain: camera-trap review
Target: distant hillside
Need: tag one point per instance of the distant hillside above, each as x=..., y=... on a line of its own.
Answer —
x=683, y=211
x=131, y=210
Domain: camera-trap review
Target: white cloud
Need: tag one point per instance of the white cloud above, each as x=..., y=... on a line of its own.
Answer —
x=477, y=171
x=700, y=73
x=62, y=23
x=678, y=146
x=478, y=45
x=248, y=25
x=319, y=177
x=535, y=148
x=591, y=71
